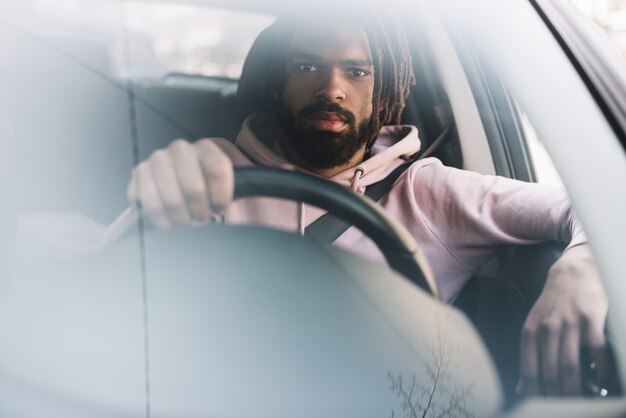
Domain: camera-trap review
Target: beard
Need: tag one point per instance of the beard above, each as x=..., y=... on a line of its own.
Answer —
x=323, y=149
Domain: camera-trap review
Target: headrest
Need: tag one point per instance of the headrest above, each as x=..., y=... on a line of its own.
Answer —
x=252, y=93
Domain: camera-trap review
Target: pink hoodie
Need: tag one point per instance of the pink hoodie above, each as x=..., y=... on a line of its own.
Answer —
x=459, y=218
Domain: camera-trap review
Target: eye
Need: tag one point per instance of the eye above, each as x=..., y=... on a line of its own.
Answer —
x=357, y=73
x=307, y=68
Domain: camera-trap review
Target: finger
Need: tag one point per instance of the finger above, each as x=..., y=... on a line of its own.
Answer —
x=191, y=179
x=219, y=175
x=529, y=362
x=550, y=337
x=169, y=190
x=149, y=198
x=569, y=364
x=595, y=339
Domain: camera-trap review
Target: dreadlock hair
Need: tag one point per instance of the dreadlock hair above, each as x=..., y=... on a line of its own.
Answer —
x=263, y=75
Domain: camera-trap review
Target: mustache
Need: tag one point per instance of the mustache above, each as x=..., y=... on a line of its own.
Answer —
x=345, y=114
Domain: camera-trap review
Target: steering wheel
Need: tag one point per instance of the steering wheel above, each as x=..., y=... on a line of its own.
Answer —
x=397, y=245
x=245, y=302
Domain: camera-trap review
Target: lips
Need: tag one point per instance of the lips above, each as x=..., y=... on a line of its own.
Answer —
x=328, y=121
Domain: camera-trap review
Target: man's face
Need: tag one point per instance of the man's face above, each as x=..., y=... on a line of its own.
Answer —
x=326, y=102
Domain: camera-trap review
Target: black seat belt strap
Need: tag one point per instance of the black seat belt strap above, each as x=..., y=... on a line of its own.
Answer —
x=327, y=228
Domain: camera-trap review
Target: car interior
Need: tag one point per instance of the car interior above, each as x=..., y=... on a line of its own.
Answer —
x=97, y=145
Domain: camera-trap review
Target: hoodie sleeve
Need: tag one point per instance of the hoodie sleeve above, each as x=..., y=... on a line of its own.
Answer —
x=473, y=214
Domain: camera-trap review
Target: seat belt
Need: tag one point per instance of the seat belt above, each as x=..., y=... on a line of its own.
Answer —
x=327, y=228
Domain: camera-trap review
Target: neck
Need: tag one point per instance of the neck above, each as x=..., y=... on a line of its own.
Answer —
x=296, y=159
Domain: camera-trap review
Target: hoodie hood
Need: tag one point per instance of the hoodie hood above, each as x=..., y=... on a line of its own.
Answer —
x=260, y=140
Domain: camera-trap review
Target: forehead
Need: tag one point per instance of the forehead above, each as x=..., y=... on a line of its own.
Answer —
x=332, y=42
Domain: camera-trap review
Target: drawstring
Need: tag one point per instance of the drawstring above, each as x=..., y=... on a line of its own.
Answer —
x=358, y=173
x=354, y=184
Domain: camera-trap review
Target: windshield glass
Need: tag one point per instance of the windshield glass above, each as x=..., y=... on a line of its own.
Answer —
x=133, y=284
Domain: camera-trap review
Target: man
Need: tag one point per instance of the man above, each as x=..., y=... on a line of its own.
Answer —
x=333, y=85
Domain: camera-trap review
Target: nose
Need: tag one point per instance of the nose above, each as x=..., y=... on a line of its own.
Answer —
x=331, y=88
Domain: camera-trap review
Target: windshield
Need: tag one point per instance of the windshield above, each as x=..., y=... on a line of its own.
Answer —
x=111, y=305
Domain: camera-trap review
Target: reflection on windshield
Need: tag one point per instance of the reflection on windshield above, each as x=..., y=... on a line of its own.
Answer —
x=291, y=326
x=439, y=394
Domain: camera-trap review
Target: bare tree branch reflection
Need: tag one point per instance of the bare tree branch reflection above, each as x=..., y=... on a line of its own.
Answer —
x=434, y=394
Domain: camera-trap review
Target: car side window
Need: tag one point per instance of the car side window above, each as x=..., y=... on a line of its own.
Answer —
x=545, y=171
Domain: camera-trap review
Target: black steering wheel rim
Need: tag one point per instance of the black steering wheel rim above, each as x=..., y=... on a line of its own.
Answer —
x=397, y=245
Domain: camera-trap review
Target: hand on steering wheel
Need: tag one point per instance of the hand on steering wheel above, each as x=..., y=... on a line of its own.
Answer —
x=185, y=183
